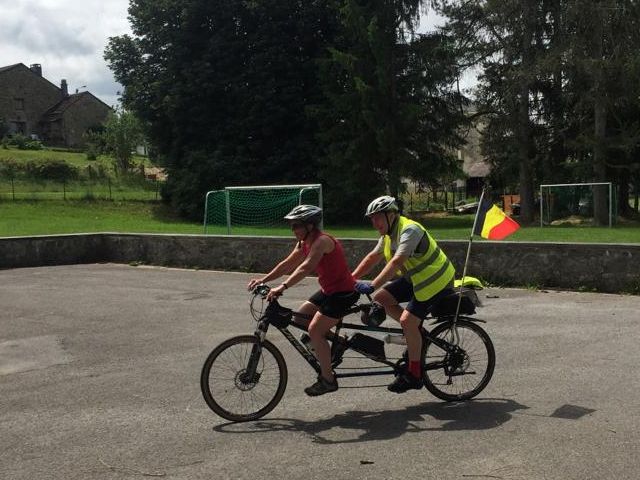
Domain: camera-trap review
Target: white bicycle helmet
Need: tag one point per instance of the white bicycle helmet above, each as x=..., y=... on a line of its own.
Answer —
x=306, y=214
x=385, y=203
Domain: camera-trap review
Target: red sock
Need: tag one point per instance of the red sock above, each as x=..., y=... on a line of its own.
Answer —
x=414, y=368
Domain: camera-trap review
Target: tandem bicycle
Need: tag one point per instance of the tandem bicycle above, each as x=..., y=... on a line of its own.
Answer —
x=245, y=377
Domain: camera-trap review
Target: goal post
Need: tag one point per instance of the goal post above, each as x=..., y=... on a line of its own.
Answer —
x=574, y=202
x=251, y=209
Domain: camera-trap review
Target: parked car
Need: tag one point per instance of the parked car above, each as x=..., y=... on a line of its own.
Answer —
x=467, y=207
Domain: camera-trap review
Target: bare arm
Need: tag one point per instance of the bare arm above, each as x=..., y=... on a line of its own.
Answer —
x=372, y=259
x=285, y=266
x=389, y=271
x=321, y=246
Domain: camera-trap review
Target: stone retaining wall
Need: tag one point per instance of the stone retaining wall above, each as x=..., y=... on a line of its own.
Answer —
x=601, y=267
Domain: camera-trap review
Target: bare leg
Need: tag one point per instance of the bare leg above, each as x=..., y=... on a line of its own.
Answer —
x=320, y=325
x=411, y=327
x=390, y=304
x=307, y=308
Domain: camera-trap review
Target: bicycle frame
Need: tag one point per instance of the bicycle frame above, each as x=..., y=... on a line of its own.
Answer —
x=333, y=337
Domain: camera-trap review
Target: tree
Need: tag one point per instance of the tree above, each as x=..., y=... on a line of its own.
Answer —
x=558, y=86
x=223, y=88
x=122, y=134
x=500, y=37
x=603, y=74
x=391, y=111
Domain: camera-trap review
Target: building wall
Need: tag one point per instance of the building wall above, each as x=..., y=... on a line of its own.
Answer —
x=37, y=94
x=88, y=111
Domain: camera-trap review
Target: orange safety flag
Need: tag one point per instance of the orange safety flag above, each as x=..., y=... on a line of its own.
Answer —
x=493, y=223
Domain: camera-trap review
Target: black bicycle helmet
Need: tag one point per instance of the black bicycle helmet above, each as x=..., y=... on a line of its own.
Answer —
x=385, y=203
x=305, y=214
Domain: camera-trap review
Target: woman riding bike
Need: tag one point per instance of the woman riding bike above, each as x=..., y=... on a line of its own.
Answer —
x=315, y=251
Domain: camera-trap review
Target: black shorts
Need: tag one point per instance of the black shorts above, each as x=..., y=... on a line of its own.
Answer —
x=335, y=305
x=402, y=290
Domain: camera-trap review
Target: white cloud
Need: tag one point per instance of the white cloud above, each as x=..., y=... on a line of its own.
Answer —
x=67, y=38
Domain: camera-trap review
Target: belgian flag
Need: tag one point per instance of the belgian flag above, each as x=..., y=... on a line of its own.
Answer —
x=493, y=223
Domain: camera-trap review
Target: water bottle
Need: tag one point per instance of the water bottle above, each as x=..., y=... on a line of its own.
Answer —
x=305, y=339
x=395, y=338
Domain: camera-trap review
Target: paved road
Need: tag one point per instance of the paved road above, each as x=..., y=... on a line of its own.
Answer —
x=99, y=368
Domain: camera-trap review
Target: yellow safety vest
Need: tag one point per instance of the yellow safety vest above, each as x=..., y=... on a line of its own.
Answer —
x=429, y=273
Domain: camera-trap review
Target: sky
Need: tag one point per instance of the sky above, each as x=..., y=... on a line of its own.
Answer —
x=67, y=38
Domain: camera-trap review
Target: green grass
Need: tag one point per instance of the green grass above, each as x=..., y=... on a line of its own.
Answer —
x=104, y=189
x=27, y=217
x=73, y=158
x=24, y=217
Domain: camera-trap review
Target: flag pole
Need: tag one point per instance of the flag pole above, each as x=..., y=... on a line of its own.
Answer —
x=464, y=270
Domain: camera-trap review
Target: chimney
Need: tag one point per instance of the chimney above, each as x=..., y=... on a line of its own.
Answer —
x=36, y=68
x=64, y=88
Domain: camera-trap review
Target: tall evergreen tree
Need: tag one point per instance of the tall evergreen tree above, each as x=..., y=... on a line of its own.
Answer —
x=391, y=112
x=558, y=84
x=223, y=88
x=499, y=37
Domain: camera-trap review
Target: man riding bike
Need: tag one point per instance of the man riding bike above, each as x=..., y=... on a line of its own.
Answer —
x=426, y=275
x=316, y=252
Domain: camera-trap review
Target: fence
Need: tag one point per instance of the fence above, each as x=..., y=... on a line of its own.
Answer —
x=102, y=189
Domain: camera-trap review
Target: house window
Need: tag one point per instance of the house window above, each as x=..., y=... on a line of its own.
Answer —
x=18, y=103
x=18, y=127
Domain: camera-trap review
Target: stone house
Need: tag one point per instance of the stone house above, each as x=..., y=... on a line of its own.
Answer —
x=475, y=167
x=31, y=105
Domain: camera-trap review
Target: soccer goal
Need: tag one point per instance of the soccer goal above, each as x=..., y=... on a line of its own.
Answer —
x=256, y=210
x=573, y=203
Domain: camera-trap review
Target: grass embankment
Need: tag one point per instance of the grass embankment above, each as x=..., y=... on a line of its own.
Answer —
x=94, y=179
x=77, y=159
x=23, y=217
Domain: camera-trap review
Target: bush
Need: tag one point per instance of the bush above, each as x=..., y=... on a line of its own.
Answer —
x=94, y=172
x=23, y=142
x=91, y=154
x=9, y=168
x=50, y=170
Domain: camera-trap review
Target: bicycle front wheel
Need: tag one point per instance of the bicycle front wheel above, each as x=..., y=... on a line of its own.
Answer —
x=463, y=372
x=235, y=393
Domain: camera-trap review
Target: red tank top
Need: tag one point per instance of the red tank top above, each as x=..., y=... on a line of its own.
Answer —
x=333, y=272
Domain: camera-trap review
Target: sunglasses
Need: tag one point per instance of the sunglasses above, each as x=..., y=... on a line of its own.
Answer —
x=297, y=225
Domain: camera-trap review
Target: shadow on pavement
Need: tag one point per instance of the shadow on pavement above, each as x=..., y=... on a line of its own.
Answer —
x=370, y=425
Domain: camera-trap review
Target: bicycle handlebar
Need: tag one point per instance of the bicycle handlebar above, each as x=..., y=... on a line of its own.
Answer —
x=261, y=289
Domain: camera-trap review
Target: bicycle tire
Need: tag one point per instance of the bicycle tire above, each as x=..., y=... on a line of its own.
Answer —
x=233, y=398
x=478, y=358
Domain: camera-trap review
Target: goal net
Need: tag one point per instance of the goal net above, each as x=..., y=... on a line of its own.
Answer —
x=256, y=210
x=573, y=203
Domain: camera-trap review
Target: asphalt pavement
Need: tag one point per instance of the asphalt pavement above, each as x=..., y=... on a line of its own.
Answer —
x=99, y=379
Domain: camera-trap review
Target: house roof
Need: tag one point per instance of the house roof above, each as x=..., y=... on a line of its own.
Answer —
x=22, y=65
x=9, y=67
x=59, y=108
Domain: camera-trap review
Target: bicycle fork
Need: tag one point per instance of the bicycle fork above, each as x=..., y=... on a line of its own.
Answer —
x=250, y=375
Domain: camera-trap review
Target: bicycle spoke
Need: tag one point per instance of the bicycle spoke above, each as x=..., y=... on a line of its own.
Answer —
x=227, y=386
x=465, y=369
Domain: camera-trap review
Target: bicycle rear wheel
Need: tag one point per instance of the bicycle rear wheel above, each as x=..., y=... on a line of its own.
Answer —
x=227, y=386
x=463, y=373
